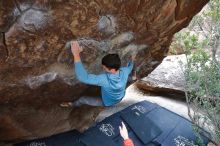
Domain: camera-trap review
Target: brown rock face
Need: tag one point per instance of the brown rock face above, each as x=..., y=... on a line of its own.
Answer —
x=36, y=71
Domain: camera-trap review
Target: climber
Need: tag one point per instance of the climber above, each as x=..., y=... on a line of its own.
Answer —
x=124, y=134
x=112, y=82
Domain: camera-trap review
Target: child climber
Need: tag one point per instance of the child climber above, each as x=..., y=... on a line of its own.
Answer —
x=112, y=82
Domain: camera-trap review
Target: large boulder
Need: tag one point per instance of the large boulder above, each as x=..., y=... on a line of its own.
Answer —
x=167, y=78
x=36, y=69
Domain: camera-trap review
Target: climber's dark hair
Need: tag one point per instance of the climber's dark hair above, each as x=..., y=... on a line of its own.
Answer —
x=111, y=61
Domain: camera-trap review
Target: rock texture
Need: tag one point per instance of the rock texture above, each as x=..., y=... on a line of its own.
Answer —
x=36, y=71
x=167, y=78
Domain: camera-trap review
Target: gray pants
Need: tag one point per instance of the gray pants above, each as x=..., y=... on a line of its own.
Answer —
x=88, y=100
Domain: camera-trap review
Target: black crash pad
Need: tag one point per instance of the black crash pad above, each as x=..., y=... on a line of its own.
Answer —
x=95, y=137
x=63, y=139
x=141, y=125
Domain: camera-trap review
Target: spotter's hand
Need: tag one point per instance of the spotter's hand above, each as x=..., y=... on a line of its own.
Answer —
x=123, y=131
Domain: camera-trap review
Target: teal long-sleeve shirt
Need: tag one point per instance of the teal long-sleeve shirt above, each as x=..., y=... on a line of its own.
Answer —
x=112, y=85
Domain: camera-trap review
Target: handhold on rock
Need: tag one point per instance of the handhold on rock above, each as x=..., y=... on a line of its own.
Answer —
x=68, y=45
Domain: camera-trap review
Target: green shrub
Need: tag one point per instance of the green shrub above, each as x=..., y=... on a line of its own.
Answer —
x=202, y=70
